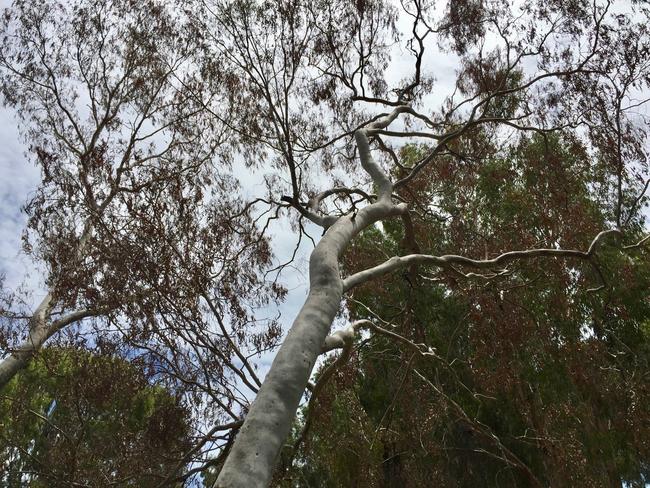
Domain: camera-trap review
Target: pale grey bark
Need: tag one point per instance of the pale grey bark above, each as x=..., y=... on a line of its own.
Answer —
x=41, y=328
x=400, y=262
x=256, y=449
x=38, y=334
x=40, y=331
x=254, y=454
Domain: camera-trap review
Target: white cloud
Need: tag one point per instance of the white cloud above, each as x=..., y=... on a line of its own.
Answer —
x=18, y=179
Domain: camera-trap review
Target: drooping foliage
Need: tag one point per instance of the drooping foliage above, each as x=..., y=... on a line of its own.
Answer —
x=138, y=224
x=495, y=267
x=538, y=375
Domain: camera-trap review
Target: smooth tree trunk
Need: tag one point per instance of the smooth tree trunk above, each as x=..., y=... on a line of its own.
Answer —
x=39, y=332
x=257, y=446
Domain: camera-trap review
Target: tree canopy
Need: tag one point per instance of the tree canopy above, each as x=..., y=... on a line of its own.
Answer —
x=533, y=382
x=470, y=178
x=73, y=418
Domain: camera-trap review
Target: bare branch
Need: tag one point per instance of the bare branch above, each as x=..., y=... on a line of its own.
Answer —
x=399, y=262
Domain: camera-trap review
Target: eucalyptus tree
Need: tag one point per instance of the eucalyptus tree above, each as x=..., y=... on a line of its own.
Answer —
x=524, y=380
x=92, y=87
x=310, y=91
x=134, y=116
x=137, y=225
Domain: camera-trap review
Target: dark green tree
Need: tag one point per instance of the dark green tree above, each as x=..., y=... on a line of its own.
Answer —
x=534, y=376
x=73, y=418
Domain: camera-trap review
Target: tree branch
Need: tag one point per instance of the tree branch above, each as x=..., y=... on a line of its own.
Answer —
x=446, y=261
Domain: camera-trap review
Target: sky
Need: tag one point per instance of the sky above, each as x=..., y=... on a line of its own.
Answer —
x=19, y=178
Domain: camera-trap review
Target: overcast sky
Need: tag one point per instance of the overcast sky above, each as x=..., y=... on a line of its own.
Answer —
x=19, y=177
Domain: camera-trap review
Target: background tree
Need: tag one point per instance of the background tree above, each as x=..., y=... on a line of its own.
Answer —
x=94, y=87
x=74, y=418
x=145, y=244
x=549, y=403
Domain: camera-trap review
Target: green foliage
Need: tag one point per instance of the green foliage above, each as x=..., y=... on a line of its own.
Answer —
x=74, y=417
x=537, y=381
